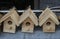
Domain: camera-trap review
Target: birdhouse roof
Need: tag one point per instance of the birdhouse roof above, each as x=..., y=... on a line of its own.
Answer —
x=46, y=14
x=13, y=14
x=28, y=13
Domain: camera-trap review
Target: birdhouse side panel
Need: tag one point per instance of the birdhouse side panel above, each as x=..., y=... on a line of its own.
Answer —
x=27, y=26
x=9, y=26
x=49, y=26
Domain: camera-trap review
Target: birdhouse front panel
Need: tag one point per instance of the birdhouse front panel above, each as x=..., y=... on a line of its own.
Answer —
x=27, y=25
x=49, y=26
x=9, y=26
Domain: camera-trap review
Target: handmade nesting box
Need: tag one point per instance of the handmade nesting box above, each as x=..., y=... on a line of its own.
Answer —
x=48, y=20
x=10, y=21
x=28, y=20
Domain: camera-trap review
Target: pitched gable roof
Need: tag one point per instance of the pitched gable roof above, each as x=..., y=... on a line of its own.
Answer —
x=13, y=14
x=47, y=13
x=29, y=13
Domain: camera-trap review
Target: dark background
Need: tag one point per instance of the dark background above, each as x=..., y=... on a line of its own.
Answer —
x=19, y=4
x=23, y=4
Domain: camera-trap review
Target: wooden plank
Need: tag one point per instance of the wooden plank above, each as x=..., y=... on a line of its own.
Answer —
x=28, y=26
x=9, y=26
x=49, y=26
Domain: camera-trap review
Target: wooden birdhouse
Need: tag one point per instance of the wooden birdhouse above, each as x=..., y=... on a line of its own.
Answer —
x=48, y=20
x=28, y=20
x=10, y=21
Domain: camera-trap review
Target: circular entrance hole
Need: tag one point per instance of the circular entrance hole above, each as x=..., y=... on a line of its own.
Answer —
x=48, y=23
x=9, y=22
x=27, y=23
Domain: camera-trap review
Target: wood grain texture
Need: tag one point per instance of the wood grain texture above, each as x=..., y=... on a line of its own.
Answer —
x=29, y=13
x=11, y=28
x=28, y=28
x=13, y=14
x=49, y=26
x=46, y=14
